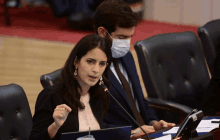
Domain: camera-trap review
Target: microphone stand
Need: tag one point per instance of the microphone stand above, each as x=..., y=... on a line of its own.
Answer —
x=106, y=90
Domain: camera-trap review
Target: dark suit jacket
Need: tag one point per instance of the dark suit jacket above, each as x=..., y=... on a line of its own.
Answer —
x=116, y=116
x=47, y=101
x=211, y=100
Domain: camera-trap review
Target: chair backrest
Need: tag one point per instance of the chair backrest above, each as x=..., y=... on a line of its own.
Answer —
x=15, y=114
x=210, y=38
x=173, y=67
x=48, y=80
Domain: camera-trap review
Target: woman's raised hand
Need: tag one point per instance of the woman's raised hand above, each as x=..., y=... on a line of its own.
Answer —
x=60, y=114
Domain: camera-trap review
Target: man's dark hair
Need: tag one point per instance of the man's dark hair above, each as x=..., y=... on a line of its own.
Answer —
x=111, y=14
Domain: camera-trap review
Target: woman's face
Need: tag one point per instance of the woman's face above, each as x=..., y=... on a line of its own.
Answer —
x=90, y=67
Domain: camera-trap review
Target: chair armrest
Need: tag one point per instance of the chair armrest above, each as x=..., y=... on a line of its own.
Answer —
x=169, y=106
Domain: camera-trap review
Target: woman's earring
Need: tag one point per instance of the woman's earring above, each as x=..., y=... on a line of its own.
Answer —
x=75, y=73
x=101, y=81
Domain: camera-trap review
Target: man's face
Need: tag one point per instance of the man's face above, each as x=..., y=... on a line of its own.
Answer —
x=123, y=33
x=120, y=33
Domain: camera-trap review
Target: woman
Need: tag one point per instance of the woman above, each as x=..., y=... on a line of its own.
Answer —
x=77, y=102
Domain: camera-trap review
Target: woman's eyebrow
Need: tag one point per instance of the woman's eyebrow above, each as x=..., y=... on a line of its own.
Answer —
x=95, y=60
x=104, y=61
x=91, y=59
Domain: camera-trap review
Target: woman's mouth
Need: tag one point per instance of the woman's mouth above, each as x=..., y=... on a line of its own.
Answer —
x=93, y=77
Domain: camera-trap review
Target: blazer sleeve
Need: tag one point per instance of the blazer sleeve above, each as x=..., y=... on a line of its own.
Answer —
x=43, y=116
x=150, y=113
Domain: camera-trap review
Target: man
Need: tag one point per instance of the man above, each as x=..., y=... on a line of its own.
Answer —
x=210, y=103
x=115, y=21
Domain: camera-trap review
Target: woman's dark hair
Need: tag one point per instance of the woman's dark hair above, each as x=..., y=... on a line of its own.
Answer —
x=70, y=86
x=111, y=14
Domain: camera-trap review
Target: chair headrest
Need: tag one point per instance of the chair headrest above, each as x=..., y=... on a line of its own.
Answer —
x=15, y=114
x=48, y=80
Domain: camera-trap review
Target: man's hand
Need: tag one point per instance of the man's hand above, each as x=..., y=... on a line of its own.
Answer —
x=161, y=124
x=148, y=129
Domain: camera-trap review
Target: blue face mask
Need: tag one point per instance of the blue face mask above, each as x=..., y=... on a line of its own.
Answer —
x=120, y=47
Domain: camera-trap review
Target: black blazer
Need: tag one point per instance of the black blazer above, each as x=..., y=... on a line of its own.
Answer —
x=46, y=102
x=211, y=100
x=117, y=116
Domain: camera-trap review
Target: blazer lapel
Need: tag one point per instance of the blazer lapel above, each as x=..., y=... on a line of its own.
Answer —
x=96, y=110
x=115, y=83
x=130, y=69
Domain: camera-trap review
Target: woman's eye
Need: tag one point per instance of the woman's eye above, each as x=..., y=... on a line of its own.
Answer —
x=103, y=64
x=89, y=61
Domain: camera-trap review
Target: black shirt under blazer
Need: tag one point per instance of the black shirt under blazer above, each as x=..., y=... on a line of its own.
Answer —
x=46, y=102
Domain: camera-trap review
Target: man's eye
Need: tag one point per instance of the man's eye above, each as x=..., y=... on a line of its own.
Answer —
x=121, y=37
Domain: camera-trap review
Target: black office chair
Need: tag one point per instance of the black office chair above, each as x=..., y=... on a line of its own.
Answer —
x=210, y=38
x=173, y=68
x=49, y=79
x=15, y=114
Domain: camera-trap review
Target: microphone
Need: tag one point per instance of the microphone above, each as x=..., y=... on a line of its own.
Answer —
x=106, y=90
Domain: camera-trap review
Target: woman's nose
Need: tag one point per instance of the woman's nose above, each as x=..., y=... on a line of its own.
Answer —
x=96, y=68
